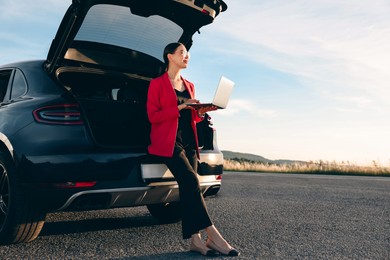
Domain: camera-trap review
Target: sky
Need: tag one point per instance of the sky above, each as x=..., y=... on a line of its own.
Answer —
x=312, y=77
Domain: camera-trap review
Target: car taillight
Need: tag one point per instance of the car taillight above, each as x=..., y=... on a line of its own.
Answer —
x=62, y=114
x=218, y=177
x=204, y=11
x=71, y=185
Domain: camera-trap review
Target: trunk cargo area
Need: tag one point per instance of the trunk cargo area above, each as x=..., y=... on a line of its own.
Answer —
x=114, y=106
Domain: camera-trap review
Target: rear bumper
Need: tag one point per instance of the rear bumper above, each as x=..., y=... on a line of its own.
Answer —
x=114, y=194
x=99, y=167
x=135, y=196
x=117, y=181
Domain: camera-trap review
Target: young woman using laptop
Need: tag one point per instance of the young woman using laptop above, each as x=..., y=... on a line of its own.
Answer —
x=174, y=140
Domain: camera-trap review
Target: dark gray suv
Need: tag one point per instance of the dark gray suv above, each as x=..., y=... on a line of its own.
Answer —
x=73, y=128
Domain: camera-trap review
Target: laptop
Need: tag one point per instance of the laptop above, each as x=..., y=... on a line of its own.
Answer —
x=221, y=96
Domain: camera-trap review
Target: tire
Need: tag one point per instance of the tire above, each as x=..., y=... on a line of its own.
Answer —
x=20, y=219
x=166, y=212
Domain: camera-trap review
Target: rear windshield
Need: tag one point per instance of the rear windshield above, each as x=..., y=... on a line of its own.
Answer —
x=116, y=25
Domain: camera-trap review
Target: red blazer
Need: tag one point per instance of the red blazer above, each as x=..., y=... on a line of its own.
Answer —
x=164, y=115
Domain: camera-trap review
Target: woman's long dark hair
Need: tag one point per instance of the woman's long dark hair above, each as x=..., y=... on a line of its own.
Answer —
x=170, y=49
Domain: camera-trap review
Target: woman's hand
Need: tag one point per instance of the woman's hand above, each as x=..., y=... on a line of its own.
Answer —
x=192, y=101
x=203, y=110
x=189, y=101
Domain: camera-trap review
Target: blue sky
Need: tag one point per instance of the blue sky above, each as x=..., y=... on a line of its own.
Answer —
x=312, y=77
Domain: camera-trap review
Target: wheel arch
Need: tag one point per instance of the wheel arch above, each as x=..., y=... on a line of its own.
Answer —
x=5, y=145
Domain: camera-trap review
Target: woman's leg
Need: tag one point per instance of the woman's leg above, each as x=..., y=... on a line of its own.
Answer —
x=194, y=213
x=183, y=166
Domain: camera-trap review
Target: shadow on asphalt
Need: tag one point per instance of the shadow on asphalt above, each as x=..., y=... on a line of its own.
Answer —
x=171, y=255
x=96, y=224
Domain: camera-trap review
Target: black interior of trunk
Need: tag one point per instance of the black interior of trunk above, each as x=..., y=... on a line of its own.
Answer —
x=114, y=105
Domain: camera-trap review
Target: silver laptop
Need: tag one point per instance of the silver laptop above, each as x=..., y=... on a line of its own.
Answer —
x=222, y=95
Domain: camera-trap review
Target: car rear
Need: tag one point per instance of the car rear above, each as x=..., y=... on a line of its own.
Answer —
x=77, y=138
x=89, y=150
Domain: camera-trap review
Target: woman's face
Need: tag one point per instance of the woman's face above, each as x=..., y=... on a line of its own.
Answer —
x=180, y=57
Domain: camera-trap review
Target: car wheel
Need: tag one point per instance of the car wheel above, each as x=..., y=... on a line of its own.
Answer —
x=20, y=219
x=166, y=212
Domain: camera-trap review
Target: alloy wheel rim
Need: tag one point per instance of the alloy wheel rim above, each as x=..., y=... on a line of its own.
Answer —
x=4, y=194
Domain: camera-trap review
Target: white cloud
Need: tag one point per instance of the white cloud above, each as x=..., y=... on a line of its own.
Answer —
x=355, y=99
x=237, y=106
x=339, y=46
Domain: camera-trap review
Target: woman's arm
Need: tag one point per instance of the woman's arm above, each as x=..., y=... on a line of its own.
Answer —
x=157, y=105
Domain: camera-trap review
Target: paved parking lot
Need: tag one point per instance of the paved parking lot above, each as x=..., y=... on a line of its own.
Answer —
x=266, y=216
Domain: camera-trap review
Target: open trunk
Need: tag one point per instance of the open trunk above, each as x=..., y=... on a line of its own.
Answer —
x=113, y=104
x=114, y=107
x=99, y=41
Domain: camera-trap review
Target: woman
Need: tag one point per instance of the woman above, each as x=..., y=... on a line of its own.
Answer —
x=174, y=140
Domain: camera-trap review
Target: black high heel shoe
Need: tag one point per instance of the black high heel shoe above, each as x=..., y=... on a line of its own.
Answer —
x=210, y=252
x=232, y=252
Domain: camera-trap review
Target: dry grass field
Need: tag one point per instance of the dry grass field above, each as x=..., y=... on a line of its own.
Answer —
x=318, y=167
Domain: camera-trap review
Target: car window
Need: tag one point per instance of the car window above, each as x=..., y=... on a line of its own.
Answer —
x=19, y=86
x=116, y=25
x=5, y=75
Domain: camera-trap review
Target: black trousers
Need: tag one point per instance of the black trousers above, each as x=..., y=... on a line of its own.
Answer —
x=183, y=165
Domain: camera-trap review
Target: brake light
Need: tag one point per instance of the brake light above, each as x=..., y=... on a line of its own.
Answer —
x=205, y=12
x=69, y=185
x=62, y=114
x=218, y=177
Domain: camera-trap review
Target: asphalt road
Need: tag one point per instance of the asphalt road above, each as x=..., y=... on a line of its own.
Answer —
x=265, y=216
